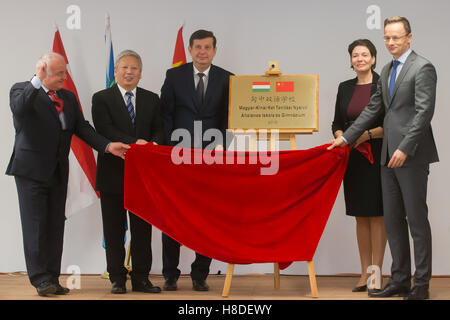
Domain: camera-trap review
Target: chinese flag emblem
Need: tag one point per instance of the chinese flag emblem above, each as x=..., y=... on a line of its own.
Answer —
x=285, y=86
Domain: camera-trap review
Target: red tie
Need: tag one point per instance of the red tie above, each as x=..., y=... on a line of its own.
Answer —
x=59, y=104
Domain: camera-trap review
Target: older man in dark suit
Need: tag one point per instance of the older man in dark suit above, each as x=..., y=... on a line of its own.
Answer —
x=45, y=118
x=129, y=114
x=407, y=92
x=194, y=99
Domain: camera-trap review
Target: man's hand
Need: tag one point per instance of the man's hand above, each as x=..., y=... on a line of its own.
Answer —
x=397, y=159
x=41, y=70
x=141, y=141
x=118, y=149
x=338, y=142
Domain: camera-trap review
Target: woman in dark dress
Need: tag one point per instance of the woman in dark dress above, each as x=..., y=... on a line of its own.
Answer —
x=362, y=181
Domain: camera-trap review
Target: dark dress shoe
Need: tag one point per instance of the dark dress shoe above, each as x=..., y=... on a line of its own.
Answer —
x=145, y=286
x=118, y=288
x=60, y=290
x=45, y=288
x=360, y=288
x=390, y=290
x=200, y=285
x=418, y=293
x=375, y=290
x=170, y=285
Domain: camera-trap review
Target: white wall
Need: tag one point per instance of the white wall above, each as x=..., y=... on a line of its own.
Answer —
x=306, y=37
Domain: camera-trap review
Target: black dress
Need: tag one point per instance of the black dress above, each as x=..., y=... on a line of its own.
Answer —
x=362, y=180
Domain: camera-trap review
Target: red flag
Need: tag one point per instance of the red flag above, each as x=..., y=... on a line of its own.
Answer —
x=179, y=55
x=81, y=150
x=285, y=86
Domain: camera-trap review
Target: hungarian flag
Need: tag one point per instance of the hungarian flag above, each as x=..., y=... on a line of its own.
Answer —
x=82, y=166
x=260, y=86
x=284, y=86
x=179, y=55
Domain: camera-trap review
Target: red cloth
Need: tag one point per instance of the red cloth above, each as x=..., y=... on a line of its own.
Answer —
x=366, y=150
x=230, y=212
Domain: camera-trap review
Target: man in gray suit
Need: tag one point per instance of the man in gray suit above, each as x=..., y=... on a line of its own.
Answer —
x=407, y=92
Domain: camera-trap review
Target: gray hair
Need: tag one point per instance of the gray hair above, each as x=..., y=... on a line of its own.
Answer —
x=47, y=58
x=128, y=53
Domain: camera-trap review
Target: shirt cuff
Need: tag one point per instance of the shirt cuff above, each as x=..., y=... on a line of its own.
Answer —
x=36, y=82
x=345, y=140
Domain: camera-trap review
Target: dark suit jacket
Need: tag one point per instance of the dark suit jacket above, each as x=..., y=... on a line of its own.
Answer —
x=408, y=113
x=112, y=120
x=180, y=108
x=40, y=143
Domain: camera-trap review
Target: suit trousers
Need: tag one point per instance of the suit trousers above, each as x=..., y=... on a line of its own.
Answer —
x=42, y=213
x=114, y=218
x=404, y=204
x=171, y=259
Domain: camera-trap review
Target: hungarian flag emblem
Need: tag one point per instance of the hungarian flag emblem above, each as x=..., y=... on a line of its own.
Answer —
x=260, y=86
x=285, y=86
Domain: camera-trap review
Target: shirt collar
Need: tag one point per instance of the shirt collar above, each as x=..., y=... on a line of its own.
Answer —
x=404, y=56
x=123, y=91
x=45, y=88
x=206, y=72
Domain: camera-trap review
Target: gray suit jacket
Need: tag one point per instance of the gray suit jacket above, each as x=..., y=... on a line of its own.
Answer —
x=408, y=113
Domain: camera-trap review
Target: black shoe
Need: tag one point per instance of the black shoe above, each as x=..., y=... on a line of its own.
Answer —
x=360, y=288
x=200, y=285
x=145, y=286
x=418, y=293
x=375, y=290
x=389, y=291
x=118, y=288
x=60, y=290
x=170, y=285
x=45, y=288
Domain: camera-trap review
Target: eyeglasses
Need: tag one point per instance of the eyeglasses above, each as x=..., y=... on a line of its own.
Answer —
x=394, y=38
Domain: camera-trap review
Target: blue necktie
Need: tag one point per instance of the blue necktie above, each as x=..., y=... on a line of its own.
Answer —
x=393, y=77
x=130, y=106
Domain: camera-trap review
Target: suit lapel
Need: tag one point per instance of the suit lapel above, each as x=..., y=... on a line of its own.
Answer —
x=347, y=96
x=212, y=81
x=189, y=80
x=384, y=84
x=409, y=61
x=140, y=105
x=45, y=99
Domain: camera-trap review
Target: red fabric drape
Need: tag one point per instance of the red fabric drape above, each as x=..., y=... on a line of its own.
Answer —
x=230, y=212
x=366, y=150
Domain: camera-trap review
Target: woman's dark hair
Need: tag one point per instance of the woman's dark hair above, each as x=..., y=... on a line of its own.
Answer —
x=365, y=43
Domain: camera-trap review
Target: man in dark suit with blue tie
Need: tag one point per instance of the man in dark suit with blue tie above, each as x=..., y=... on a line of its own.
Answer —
x=406, y=92
x=45, y=118
x=130, y=114
x=194, y=98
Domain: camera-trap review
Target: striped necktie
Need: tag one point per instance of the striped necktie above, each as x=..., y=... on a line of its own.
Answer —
x=130, y=106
